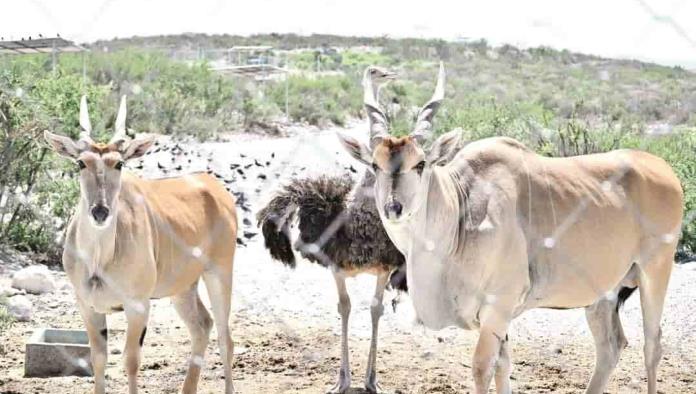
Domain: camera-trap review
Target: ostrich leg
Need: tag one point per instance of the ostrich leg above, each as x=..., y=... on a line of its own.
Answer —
x=343, y=383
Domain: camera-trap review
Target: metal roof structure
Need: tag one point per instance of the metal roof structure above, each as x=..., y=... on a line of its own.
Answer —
x=251, y=69
x=40, y=45
x=243, y=48
x=256, y=61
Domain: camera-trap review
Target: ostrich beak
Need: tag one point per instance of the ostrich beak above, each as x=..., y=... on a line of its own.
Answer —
x=389, y=75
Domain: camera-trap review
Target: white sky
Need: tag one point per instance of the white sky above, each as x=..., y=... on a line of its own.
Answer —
x=614, y=28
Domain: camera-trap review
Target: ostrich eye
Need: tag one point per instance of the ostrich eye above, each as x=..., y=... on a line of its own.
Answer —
x=81, y=165
x=119, y=165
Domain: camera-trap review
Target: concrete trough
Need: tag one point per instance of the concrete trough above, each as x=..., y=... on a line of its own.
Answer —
x=53, y=352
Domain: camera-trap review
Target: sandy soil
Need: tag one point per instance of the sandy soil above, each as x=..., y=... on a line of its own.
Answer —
x=286, y=328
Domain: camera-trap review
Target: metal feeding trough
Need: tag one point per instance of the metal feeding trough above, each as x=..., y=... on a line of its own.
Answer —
x=52, y=352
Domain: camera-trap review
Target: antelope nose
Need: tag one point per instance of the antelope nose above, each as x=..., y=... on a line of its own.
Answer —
x=393, y=208
x=100, y=213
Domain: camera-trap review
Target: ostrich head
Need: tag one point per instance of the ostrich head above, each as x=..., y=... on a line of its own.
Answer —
x=375, y=78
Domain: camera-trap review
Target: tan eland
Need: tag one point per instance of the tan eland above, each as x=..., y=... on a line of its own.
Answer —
x=499, y=230
x=132, y=240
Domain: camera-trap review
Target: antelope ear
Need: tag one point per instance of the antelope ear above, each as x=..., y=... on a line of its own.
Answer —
x=62, y=145
x=137, y=147
x=444, y=146
x=357, y=149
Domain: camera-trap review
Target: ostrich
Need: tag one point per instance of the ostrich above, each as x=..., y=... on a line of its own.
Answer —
x=340, y=229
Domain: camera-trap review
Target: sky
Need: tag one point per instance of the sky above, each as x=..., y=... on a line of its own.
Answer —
x=661, y=31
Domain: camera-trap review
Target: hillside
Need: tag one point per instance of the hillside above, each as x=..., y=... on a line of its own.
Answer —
x=544, y=82
x=557, y=102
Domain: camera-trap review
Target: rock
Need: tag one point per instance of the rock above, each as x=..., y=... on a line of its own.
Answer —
x=19, y=307
x=240, y=350
x=35, y=279
x=10, y=292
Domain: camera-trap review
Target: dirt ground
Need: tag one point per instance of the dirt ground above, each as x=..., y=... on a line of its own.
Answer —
x=291, y=346
x=286, y=328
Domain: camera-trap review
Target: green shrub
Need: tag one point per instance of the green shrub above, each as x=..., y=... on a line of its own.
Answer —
x=6, y=319
x=557, y=102
x=319, y=100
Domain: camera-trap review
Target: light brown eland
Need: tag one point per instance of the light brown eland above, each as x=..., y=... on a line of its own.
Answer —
x=132, y=240
x=499, y=230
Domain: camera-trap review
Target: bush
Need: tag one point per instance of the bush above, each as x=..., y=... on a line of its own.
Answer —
x=320, y=100
x=24, y=162
x=6, y=319
x=557, y=102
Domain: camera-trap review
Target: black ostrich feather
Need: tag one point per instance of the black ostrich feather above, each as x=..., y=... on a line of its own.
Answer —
x=338, y=223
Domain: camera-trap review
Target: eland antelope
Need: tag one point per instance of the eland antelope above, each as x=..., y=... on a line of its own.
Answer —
x=132, y=240
x=499, y=230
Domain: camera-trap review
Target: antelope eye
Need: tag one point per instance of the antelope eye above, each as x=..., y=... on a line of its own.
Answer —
x=119, y=165
x=375, y=167
x=420, y=166
x=81, y=164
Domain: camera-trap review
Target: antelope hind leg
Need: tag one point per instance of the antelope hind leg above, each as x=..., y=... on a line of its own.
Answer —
x=603, y=319
x=218, y=281
x=376, y=310
x=197, y=319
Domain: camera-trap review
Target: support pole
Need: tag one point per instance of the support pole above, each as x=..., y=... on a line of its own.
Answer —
x=84, y=70
x=287, y=87
x=53, y=58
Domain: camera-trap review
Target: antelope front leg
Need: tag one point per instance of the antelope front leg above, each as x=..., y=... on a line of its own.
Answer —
x=137, y=313
x=503, y=368
x=95, y=323
x=376, y=310
x=489, y=350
